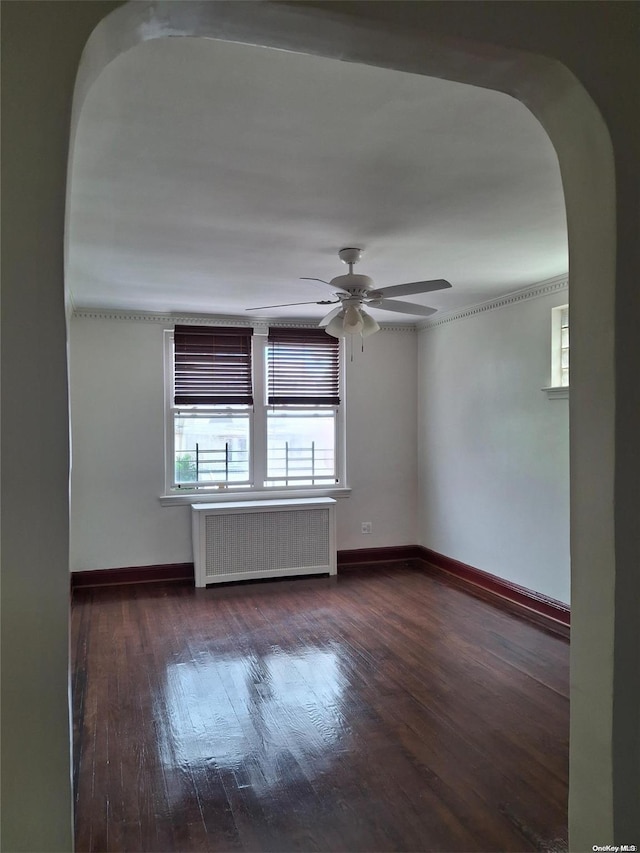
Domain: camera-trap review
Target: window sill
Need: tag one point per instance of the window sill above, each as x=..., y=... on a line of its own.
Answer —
x=557, y=392
x=227, y=495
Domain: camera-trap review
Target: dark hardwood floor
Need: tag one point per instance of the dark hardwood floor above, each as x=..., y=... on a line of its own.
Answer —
x=382, y=710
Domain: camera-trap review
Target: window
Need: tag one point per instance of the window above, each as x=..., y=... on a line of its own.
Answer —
x=303, y=396
x=560, y=347
x=559, y=352
x=250, y=411
x=212, y=402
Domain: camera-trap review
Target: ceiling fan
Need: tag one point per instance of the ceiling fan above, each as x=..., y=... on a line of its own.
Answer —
x=354, y=291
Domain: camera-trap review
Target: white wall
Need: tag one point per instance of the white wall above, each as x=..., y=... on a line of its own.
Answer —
x=381, y=443
x=493, y=449
x=117, y=417
x=117, y=441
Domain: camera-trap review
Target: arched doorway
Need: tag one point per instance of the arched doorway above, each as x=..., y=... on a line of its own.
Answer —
x=584, y=151
x=543, y=86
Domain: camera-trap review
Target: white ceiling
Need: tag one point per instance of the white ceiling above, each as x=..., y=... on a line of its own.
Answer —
x=208, y=177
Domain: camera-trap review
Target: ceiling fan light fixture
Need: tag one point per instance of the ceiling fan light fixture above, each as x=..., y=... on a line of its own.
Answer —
x=361, y=323
x=369, y=325
x=353, y=322
x=336, y=326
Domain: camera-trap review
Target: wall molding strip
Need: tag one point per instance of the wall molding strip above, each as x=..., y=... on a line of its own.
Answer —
x=534, y=291
x=359, y=557
x=164, y=573
x=539, y=608
x=170, y=319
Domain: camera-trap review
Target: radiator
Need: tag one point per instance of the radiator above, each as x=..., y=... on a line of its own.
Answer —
x=243, y=540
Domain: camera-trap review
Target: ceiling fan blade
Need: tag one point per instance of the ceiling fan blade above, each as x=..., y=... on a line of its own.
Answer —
x=413, y=287
x=287, y=304
x=326, y=320
x=404, y=307
x=336, y=289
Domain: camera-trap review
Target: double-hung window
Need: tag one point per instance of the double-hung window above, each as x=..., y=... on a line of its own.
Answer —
x=561, y=335
x=252, y=411
x=303, y=397
x=559, y=386
x=212, y=406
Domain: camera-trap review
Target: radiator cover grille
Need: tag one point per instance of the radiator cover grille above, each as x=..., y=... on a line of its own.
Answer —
x=263, y=539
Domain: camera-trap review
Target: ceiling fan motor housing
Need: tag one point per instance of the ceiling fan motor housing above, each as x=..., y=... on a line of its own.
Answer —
x=352, y=283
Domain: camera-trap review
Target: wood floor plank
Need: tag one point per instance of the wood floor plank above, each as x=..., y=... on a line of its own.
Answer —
x=379, y=710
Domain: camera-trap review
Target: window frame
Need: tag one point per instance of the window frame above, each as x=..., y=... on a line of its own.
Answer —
x=258, y=413
x=296, y=409
x=208, y=412
x=558, y=389
x=557, y=349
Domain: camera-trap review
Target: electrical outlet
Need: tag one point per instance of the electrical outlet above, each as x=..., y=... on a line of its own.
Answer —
x=366, y=527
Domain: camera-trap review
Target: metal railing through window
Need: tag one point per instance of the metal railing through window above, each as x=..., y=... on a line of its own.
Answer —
x=290, y=464
x=219, y=465
x=286, y=465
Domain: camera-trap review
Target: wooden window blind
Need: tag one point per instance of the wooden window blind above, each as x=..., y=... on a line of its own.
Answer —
x=303, y=367
x=212, y=365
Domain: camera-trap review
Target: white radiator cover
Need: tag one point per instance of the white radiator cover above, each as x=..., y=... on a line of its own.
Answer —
x=244, y=540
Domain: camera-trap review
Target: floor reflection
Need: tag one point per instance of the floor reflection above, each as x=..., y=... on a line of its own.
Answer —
x=250, y=713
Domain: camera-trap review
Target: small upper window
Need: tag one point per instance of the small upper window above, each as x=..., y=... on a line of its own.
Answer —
x=559, y=386
x=560, y=347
